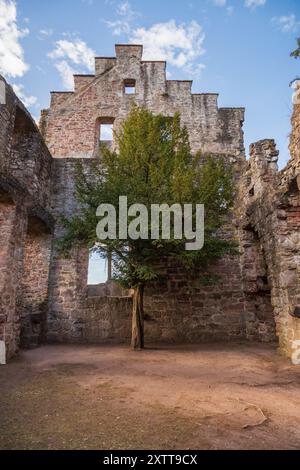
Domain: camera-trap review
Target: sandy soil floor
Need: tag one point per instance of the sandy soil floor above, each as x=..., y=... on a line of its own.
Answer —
x=237, y=396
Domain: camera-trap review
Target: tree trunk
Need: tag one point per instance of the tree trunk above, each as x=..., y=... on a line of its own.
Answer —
x=137, y=332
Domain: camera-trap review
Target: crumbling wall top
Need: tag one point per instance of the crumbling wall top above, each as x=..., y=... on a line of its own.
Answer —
x=265, y=153
x=295, y=135
x=24, y=158
x=71, y=127
x=126, y=51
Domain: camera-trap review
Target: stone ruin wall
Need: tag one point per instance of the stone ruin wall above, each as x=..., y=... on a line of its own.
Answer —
x=25, y=189
x=270, y=207
x=177, y=310
x=71, y=125
x=181, y=309
x=45, y=297
x=34, y=284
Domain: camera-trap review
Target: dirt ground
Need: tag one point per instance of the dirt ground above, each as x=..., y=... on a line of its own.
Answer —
x=237, y=396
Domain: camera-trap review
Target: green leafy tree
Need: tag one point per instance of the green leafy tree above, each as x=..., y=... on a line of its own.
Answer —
x=153, y=165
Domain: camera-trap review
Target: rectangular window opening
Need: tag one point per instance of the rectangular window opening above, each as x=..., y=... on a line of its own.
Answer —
x=106, y=132
x=99, y=268
x=129, y=87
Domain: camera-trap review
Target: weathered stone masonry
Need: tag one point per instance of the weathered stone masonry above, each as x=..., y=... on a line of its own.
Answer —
x=182, y=309
x=45, y=297
x=270, y=207
x=25, y=189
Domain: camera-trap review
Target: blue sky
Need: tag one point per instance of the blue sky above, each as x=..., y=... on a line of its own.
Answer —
x=238, y=48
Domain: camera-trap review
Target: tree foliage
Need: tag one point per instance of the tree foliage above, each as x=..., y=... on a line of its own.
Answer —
x=153, y=164
x=296, y=52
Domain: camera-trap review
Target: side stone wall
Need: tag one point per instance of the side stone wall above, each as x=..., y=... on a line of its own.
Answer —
x=270, y=206
x=12, y=226
x=35, y=279
x=25, y=188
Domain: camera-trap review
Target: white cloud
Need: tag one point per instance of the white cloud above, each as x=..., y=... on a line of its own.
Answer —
x=28, y=101
x=181, y=45
x=45, y=33
x=118, y=27
x=287, y=23
x=126, y=15
x=12, y=63
x=76, y=51
x=223, y=3
x=72, y=57
x=66, y=72
x=255, y=3
x=124, y=9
